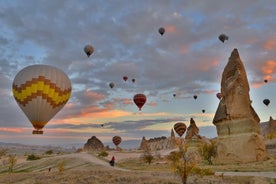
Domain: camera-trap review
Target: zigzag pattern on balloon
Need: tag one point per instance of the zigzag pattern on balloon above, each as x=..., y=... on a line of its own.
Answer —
x=43, y=87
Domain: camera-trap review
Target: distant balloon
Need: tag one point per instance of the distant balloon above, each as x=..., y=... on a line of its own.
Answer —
x=179, y=128
x=111, y=85
x=203, y=110
x=88, y=49
x=125, y=78
x=219, y=95
x=140, y=100
x=266, y=102
x=223, y=37
x=41, y=91
x=265, y=80
x=174, y=95
x=133, y=80
x=116, y=140
x=161, y=30
x=195, y=97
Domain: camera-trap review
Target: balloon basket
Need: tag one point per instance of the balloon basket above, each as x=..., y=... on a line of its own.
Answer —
x=37, y=132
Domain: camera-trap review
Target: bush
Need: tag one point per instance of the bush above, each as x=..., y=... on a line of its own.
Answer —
x=147, y=157
x=33, y=157
x=49, y=152
x=207, y=151
x=202, y=172
x=61, y=166
x=103, y=154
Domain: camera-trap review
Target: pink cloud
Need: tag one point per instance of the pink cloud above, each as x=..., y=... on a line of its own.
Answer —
x=7, y=129
x=270, y=44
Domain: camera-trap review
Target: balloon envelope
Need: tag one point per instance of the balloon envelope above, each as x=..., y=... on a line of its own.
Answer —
x=88, y=49
x=140, y=100
x=111, y=85
x=125, y=78
x=195, y=97
x=41, y=91
x=116, y=140
x=161, y=30
x=179, y=128
x=219, y=95
x=266, y=102
x=223, y=37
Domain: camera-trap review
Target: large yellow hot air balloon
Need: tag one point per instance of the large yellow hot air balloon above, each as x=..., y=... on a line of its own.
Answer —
x=41, y=91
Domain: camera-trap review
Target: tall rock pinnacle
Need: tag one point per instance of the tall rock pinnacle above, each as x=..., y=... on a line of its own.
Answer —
x=235, y=102
x=237, y=123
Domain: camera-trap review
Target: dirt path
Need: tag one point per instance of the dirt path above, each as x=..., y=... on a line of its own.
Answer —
x=258, y=174
x=93, y=159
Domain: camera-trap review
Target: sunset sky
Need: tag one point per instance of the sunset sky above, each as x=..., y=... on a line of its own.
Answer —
x=187, y=60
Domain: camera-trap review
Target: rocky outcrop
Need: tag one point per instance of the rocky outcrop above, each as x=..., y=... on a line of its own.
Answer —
x=143, y=144
x=268, y=127
x=93, y=144
x=239, y=139
x=192, y=131
x=157, y=143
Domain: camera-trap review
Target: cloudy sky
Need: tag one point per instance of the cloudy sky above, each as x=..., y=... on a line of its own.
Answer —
x=187, y=60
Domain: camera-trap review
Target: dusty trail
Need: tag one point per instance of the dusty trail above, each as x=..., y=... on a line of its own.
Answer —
x=92, y=159
x=258, y=174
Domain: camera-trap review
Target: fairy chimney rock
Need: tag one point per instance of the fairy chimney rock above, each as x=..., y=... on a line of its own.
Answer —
x=143, y=144
x=93, y=144
x=192, y=130
x=237, y=123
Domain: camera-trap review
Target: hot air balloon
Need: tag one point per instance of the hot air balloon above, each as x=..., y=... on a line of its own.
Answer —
x=195, y=97
x=161, y=30
x=88, y=49
x=266, y=102
x=265, y=80
x=223, y=37
x=133, y=80
x=41, y=91
x=203, y=110
x=116, y=140
x=219, y=95
x=111, y=85
x=125, y=78
x=174, y=95
x=140, y=100
x=179, y=128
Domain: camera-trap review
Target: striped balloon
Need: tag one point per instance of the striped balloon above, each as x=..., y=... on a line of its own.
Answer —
x=41, y=91
x=180, y=128
x=116, y=140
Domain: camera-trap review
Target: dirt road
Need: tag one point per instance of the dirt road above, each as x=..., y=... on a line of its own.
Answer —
x=258, y=174
x=93, y=159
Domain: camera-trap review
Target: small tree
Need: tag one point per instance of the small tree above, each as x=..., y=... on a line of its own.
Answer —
x=3, y=152
x=207, y=151
x=12, y=161
x=182, y=164
x=147, y=157
x=61, y=166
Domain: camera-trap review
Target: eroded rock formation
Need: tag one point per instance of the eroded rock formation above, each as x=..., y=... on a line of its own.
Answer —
x=158, y=143
x=93, y=144
x=237, y=123
x=268, y=127
x=192, y=131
